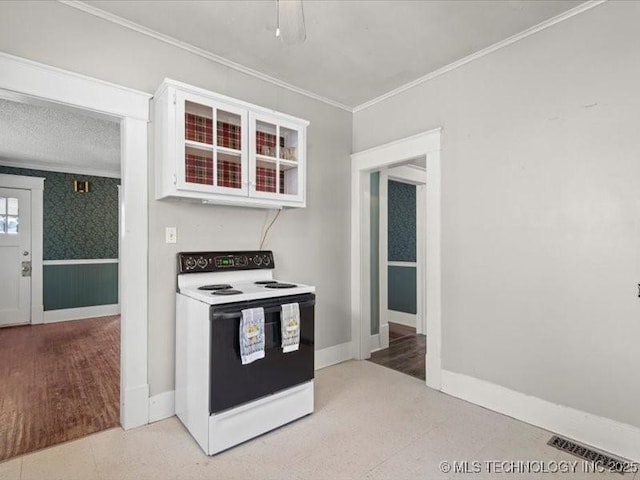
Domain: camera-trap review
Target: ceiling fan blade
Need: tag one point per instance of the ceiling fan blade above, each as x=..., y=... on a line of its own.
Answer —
x=291, y=21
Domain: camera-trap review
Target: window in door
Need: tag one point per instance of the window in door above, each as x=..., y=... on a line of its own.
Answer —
x=9, y=218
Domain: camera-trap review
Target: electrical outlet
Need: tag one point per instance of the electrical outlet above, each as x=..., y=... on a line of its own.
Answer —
x=171, y=234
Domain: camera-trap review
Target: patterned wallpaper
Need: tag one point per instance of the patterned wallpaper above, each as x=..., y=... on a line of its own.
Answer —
x=402, y=222
x=77, y=225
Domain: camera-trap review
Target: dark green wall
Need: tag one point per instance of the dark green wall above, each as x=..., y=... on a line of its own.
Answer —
x=77, y=225
x=73, y=286
x=402, y=289
x=402, y=222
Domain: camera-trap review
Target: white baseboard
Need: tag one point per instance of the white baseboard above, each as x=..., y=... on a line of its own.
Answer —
x=384, y=335
x=433, y=367
x=332, y=355
x=64, y=315
x=375, y=343
x=162, y=406
x=136, y=413
x=600, y=432
x=406, y=319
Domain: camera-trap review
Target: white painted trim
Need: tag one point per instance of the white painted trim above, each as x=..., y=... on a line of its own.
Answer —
x=135, y=400
x=402, y=264
x=81, y=313
x=333, y=355
x=378, y=340
x=84, y=261
x=583, y=7
x=375, y=343
x=46, y=83
x=421, y=248
x=21, y=181
x=432, y=274
x=384, y=335
x=402, y=318
x=162, y=406
x=37, y=253
x=60, y=168
x=376, y=158
x=36, y=186
x=362, y=163
x=408, y=174
x=383, y=262
x=123, y=22
x=599, y=432
x=134, y=260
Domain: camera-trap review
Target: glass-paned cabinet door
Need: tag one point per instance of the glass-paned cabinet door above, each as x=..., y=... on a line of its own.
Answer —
x=276, y=155
x=212, y=142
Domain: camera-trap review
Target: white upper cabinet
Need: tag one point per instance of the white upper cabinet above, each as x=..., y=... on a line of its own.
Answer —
x=277, y=156
x=219, y=150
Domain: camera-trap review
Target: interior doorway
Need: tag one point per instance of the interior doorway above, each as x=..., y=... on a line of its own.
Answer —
x=26, y=80
x=59, y=209
x=424, y=147
x=398, y=196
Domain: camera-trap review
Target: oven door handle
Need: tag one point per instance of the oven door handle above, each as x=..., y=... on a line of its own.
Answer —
x=238, y=314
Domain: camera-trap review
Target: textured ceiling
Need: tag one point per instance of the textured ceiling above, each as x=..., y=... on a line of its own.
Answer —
x=355, y=50
x=57, y=138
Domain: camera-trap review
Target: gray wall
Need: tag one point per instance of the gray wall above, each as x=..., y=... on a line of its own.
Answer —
x=311, y=245
x=540, y=209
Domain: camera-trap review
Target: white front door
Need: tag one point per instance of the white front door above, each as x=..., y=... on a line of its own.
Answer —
x=15, y=256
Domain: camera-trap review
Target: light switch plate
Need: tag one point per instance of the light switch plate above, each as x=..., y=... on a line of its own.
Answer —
x=171, y=235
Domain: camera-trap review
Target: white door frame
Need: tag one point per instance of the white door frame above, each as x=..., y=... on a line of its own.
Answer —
x=423, y=145
x=413, y=176
x=36, y=186
x=38, y=82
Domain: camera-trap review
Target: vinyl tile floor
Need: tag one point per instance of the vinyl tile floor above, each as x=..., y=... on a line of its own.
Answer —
x=370, y=423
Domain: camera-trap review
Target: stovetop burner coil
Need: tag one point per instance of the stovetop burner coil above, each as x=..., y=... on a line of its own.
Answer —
x=280, y=285
x=227, y=291
x=218, y=286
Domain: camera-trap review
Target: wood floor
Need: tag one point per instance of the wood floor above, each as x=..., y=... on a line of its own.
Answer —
x=406, y=351
x=58, y=382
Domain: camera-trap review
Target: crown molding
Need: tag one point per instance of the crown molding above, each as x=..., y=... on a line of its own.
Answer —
x=123, y=22
x=481, y=53
x=79, y=5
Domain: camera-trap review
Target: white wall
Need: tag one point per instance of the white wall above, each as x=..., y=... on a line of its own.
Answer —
x=302, y=240
x=540, y=209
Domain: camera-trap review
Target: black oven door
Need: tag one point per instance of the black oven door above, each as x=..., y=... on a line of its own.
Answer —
x=232, y=383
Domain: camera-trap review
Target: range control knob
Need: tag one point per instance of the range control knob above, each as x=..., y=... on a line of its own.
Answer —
x=202, y=262
x=257, y=260
x=266, y=259
x=190, y=263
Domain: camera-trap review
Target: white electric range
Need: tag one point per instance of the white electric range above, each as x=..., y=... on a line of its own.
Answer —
x=221, y=401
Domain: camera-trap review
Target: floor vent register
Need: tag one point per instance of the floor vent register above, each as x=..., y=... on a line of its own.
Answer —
x=609, y=462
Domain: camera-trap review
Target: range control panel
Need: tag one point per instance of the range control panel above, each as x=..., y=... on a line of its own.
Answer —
x=197, y=262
